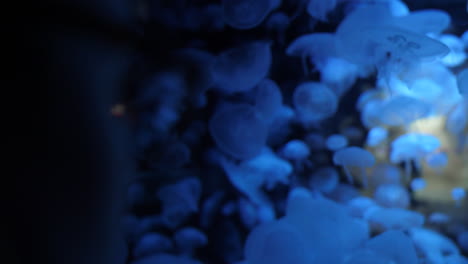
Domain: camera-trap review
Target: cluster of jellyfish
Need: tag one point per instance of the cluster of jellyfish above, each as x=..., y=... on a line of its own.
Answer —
x=278, y=143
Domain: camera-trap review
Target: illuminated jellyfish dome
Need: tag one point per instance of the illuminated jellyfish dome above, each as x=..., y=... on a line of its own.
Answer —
x=301, y=131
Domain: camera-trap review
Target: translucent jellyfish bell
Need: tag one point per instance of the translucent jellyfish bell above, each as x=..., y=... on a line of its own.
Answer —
x=336, y=141
x=315, y=46
x=324, y=179
x=351, y=43
x=426, y=90
x=424, y=21
x=319, y=9
x=314, y=102
x=392, y=196
x=246, y=14
x=395, y=245
x=403, y=44
x=241, y=68
x=354, y=157
x=295, y=150
x=418, y=184
x=376, y=136
x=239, y=131
x=458, y=194
x=268, y=99
x=462, y=81
x=457, y=54
x=437, y=161
x=457, y=121
x=367, y=36
x=402, y=110
x=412, y=147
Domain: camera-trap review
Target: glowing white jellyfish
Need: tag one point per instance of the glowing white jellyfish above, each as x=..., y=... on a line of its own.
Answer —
x=457, y=54
x=412, y=147
x=314, y=102
x=424, y=21
x=351, y=42
x=354, y=157
x=367, y=37
x=402, y=110
x=376, y=136
x=317, y=47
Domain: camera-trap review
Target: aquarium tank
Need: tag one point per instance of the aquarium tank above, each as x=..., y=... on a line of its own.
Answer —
x=295, y=131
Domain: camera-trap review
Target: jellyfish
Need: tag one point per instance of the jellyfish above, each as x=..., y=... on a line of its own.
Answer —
x=359, y=205
x=424, y=21
x=365, y=256
x=457, y=54
x=188, y=239
x=351, y=43
x=458, y=194
x=239, y=131
x=270, y=167
x=439, y=218
x=437, y=161
x=240, y=68
x=319, y=9
x=425, y=89
x=462, y=81
x=412, y=147
x=457, y=121
x=383, y=219
x=432, y=245
x=314, y=102
x=462, y=240
x=324, y=179
x=268, y=99
x=418, y=184
x=395, y=245
x=354, y=157
x=370, y=114
x=380, y=42
x=339, y=74
x=392, y=196
x=277, y=24
x=179, y=200
x=402, y=110
x=317, y=47
x=336, y=141
x=385, y=174
x=152, y=243
x=246, y=14
x=464, y=37
x=376, y=136
x=295, y=150
x=399, y=44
